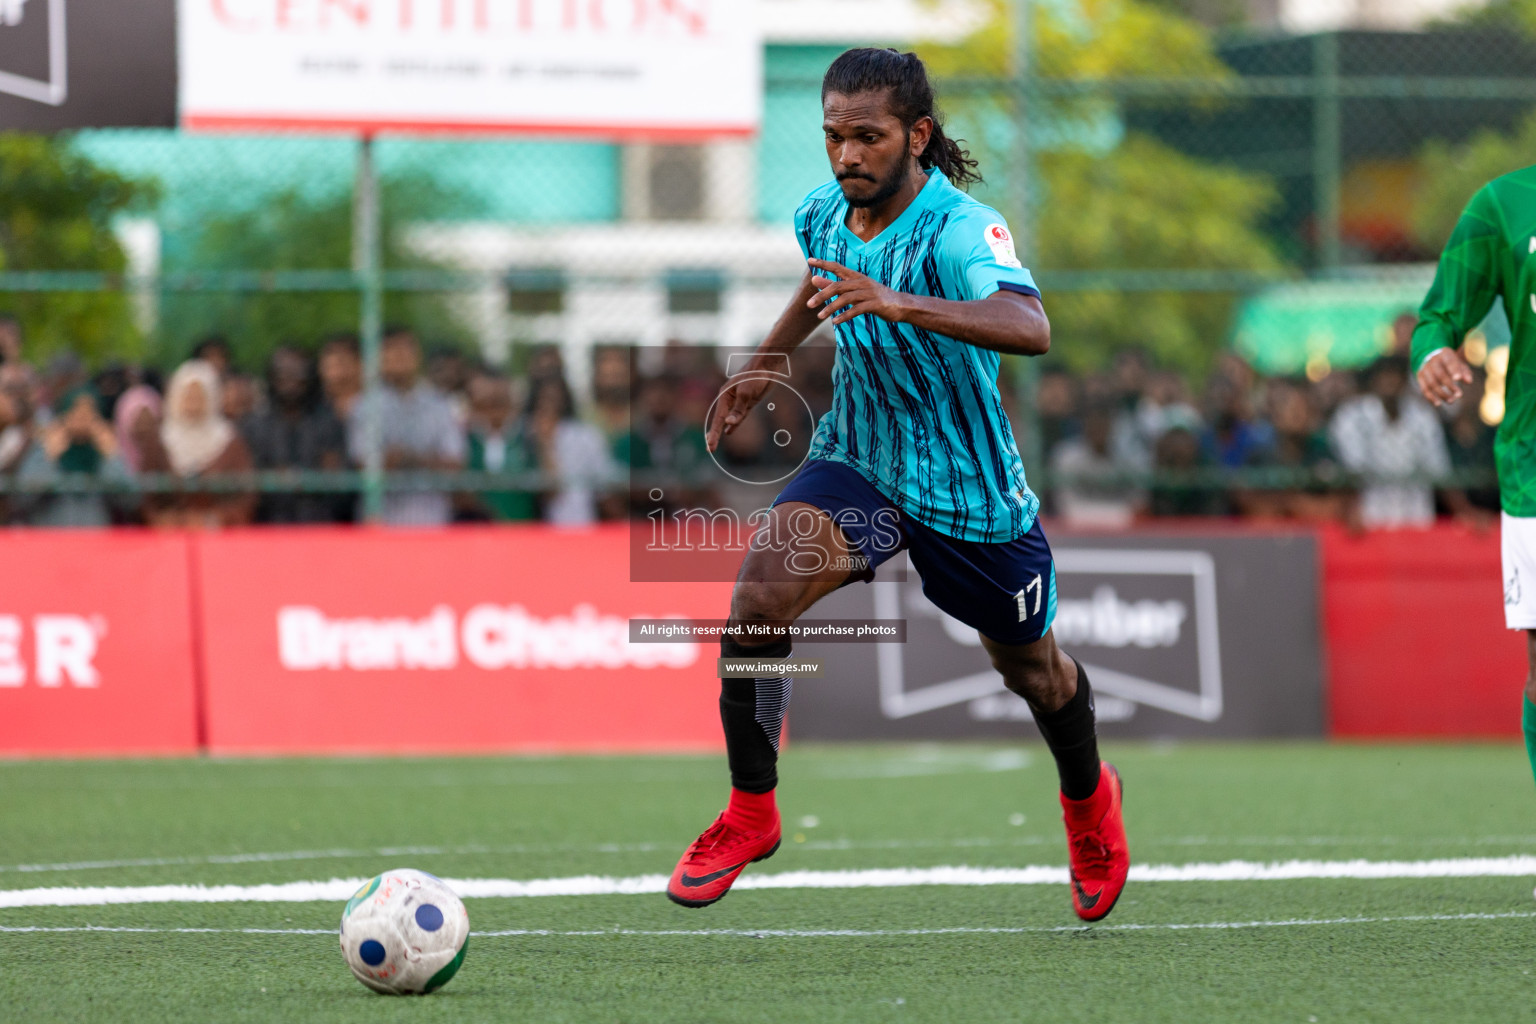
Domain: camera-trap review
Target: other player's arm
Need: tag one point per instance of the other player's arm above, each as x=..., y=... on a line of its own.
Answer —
x=1005, y=321
x=1466, y=283
x=794, y=325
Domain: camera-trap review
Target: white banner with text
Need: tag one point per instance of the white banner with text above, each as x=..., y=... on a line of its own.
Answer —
x=612, y=68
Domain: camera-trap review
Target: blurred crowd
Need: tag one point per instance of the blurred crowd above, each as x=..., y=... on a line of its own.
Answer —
x=1131, y=442
x=208, y=428
x=1362, y=448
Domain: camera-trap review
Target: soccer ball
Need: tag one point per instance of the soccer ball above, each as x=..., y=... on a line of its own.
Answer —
x=404, y=933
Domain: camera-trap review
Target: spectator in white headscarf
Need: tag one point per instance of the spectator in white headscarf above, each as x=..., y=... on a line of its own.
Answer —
x=197, y=442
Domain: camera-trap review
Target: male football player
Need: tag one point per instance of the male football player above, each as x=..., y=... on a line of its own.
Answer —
x=1492, y=254
x=923, y=288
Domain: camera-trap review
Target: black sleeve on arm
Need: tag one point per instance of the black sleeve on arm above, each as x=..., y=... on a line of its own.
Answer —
x=1020, y=289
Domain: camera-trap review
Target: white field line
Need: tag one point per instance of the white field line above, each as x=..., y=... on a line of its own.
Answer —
x=337, y=889
x=816, y=933
x=299, y=855
x=824, y=845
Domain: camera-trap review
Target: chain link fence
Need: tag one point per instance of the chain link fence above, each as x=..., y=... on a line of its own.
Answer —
x=1226, y=230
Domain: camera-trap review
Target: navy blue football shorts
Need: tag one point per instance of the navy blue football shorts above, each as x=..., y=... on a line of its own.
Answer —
x=1005, y=591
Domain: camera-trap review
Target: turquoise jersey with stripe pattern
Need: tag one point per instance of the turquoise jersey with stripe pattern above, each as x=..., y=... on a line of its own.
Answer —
x=916, y=413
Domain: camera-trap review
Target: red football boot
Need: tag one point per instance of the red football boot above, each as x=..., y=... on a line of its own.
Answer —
x=1097, y=848
x=711, y=865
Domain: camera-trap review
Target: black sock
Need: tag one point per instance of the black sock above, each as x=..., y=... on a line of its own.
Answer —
x=1069, y=732
x=752, y=711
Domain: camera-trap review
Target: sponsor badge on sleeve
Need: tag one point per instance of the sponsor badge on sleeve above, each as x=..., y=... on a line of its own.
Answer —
x=1001, y=243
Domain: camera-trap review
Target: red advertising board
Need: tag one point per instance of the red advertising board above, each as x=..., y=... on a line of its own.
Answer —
x=96, y=651
x=516, y=638
x=475, y=639
x=1414, y=624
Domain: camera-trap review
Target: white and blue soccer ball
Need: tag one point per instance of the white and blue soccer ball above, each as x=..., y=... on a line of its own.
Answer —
x=404, y=933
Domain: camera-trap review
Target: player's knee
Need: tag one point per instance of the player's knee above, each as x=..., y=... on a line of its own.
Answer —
x=1017, y=682
x=1034, y=686
x=761, y=602
x=1035, y=676
x=1026, y=677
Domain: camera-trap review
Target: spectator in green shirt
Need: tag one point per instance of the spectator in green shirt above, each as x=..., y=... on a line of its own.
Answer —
x=496, y=445
x=77, y=443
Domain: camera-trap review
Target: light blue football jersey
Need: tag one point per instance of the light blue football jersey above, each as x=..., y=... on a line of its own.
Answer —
x=917, y=413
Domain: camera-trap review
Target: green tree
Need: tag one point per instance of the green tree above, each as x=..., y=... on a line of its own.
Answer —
x=1449, y=175
x=56, y=213
x=1145, y=206
x=1513, y=15
x=294, y=230
x=1219, y=14
x=1081, y=39
x=1112, y=199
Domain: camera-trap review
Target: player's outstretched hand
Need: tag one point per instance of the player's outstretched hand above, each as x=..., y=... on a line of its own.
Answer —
x=853, y=294
x=1441, y=376
x=735, y=401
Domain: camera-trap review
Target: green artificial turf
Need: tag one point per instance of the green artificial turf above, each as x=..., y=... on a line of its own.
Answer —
x=243, y=822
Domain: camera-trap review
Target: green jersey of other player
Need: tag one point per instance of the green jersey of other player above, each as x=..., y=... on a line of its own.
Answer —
x=1491, y=253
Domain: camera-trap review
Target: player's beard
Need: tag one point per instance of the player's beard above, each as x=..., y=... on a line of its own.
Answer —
x=884, y=188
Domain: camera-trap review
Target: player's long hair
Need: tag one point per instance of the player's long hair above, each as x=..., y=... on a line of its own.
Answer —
x=905, y=79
